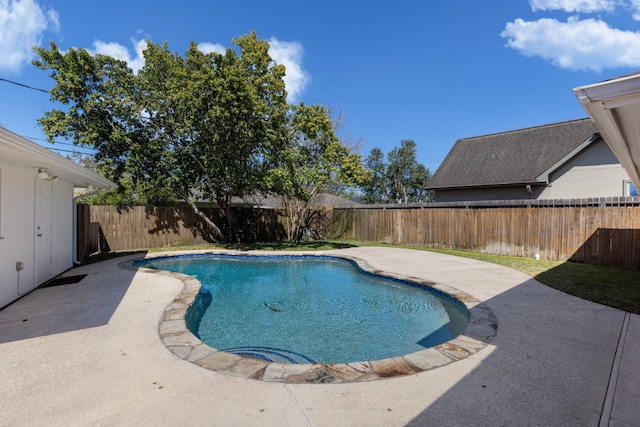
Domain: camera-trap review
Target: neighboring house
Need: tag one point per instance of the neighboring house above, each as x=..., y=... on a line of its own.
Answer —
x=556, y=161
x=37, y=227
x=326, y=199
x=272, y=201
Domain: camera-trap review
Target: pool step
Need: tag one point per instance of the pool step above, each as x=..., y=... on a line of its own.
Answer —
x=271, y=354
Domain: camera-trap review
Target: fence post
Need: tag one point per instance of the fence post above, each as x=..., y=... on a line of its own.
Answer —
x=83, y=231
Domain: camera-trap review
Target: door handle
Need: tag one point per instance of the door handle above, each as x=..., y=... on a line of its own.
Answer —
x=39, y=234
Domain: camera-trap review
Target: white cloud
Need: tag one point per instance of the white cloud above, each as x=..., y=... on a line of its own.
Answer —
x=211, y=47
x=290, y=55
x=635, y=6
x=575, y=44
x=116, y=50
x=588, y=6
x=22, y=23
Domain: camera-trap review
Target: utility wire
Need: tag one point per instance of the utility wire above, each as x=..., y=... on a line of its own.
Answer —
x=23, y=85
x=69, y=151
x=33, y=138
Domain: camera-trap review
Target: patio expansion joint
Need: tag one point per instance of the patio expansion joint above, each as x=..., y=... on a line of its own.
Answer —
x=175, y=335
x=607, y=405
x=298, y=406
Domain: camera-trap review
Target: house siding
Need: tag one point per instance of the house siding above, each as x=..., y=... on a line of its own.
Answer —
x=596, y=172
x=62, y=235
x=488, y=193
x=16, y=244
x=17, y=201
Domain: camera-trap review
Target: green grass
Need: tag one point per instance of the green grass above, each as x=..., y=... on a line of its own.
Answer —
x=615, y=287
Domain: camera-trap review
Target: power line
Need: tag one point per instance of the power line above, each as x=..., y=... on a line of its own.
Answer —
x=69, y=151
x=23, y=85
x=33, y=138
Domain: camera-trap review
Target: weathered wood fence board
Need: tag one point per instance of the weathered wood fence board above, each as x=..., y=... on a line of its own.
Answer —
x=108, y=228
x=590, y=232
x=604, y=235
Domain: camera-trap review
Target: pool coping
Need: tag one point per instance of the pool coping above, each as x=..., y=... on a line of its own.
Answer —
x=176, y=336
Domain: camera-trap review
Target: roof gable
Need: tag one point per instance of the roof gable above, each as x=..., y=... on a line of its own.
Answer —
x=522, y=156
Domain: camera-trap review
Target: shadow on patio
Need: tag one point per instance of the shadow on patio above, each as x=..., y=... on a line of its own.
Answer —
x=89, y=303
x=550, y=364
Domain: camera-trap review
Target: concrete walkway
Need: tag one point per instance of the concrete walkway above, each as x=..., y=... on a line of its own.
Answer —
x=90, y=354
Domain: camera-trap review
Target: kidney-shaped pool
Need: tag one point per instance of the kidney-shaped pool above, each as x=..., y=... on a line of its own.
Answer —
x=311, y=309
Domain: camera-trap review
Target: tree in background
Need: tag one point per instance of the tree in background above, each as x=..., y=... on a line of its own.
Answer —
x=202, y=126
x=353, y=144
x=314, y=160
x=375, y=188
x=401, y=179
x=126, y=194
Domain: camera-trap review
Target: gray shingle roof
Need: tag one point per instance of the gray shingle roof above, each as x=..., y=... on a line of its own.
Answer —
x=513, y=157
x=274, y=201
x=326, y=199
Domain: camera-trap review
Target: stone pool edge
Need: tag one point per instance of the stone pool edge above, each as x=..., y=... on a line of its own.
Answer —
x=175, y=335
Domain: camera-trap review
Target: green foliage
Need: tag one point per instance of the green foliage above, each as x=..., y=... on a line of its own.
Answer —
x=401, y=179
x=84, y=160
x=198, y=127
x=313, y=160
x=129, y=194
x=375, y=188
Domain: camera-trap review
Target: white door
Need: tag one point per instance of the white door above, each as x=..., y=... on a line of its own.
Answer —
x=43, y=226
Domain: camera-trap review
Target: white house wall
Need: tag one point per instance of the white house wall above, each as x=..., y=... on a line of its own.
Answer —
x=16, y=225
x=596, y=172
x=17, y=231
x=62, y=234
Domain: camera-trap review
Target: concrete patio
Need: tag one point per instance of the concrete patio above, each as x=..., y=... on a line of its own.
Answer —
x=90, y=354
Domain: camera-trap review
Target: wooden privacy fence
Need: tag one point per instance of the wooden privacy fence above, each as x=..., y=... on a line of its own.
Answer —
x=594, y=231
x=600, y=231
x=109, y=228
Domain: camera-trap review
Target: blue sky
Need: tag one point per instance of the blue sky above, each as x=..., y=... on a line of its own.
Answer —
x=433, y=72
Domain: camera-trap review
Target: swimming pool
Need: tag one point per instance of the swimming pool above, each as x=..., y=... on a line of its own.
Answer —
x=311, y=309
x=184, y=344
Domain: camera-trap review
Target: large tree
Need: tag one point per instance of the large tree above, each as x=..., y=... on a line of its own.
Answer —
x=205, y=126
x=401, y=179
x=314, y=160
x=375, y=188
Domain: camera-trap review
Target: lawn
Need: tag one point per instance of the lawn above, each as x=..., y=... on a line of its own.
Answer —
x=615, y=287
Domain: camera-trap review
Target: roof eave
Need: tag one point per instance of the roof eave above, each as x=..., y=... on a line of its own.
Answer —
x=494, y=185
x=38, y=157
x=613, y=107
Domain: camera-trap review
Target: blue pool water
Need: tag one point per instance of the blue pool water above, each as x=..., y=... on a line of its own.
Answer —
x=311, y=309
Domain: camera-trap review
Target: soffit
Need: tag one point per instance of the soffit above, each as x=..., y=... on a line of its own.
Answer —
x=614, y=107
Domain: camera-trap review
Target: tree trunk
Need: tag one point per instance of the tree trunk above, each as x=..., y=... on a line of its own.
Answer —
x=291, y=217
x=221, y=237
x=224, y=201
